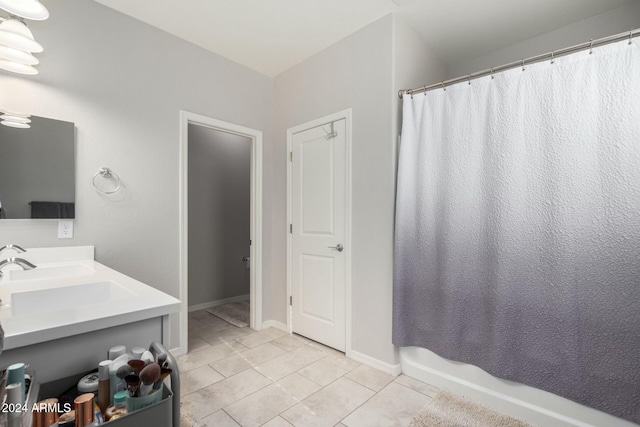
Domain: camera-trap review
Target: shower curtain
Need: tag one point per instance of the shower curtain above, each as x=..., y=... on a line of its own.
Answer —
x=517, y=245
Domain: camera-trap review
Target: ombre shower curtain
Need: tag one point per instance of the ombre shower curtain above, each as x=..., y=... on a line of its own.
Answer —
x=517, y=245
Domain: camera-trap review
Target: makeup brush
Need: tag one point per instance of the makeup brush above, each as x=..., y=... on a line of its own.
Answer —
x=137, y=365
x=122, y=373
x=164, y=373
x=133, y=382
x=162, y=359
x=149, y=375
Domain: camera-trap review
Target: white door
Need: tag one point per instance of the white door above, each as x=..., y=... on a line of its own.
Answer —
x=318, y=229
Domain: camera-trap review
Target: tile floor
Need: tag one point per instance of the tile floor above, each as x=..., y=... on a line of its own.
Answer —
x=239, y=377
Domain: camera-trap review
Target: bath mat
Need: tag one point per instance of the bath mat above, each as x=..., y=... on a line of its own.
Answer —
x=236, y=313
x=451, y=410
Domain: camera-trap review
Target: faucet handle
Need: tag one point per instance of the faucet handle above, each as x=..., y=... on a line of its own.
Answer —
x=14, y=247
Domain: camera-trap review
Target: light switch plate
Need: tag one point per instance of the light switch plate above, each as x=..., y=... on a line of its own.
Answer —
x=65, y=229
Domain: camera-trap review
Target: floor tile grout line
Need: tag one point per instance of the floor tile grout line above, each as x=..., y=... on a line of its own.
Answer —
x=418, y=391
x=252, y=365
x=341, y=376
x=326, y=353
x=321, y=389
x=230, y=416
x=363, y=403
x=205, y=386
x=229, y=404
x=378, y=392
x=297, y=401
x=235, y=352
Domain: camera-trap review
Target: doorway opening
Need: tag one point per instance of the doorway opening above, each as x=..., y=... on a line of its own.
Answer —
x=220, y=218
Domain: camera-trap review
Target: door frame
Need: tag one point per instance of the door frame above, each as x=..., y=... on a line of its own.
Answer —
x=255, y=252
x=347, y=116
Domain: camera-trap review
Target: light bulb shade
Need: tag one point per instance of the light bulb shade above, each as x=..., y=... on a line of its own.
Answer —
x=16, y=55
x=13, y=33
x=30, y=9
x=16, y=119
x=15, y=124
x=16, y=67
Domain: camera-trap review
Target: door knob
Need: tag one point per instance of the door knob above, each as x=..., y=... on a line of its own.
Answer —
x=338, y=247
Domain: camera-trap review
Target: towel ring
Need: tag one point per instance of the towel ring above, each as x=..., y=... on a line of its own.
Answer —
x=106, y=173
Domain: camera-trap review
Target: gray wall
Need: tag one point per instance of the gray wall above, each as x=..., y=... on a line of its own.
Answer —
x=219, y=214
x=123, y=83
x=36, y=164
x=619, y=20
x=357, y=73
x=414, y=64
x=353, y=73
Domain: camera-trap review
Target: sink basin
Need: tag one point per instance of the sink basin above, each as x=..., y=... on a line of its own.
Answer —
x=47, y=272
x=66, y=297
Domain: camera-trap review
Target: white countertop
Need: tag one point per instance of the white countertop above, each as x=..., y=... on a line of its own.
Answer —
x=119, y=299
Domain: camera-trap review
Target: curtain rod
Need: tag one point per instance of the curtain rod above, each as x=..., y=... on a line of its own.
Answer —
x=531, y=60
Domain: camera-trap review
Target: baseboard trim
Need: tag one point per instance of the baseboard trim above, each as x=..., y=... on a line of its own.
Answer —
x=177, y=352
x=210, y=304
x=274, y=324
x=374, y=363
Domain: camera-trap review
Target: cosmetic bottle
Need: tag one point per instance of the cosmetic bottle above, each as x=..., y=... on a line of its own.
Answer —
x=104, y=388
x=119, y=407
x=115, y=383
x=83, y=406
x=89, y=383
x=137, y=352
x=45, y=414
x=68, y=419
x=116, y=351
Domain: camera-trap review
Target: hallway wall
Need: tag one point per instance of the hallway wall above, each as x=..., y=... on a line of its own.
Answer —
x=219, y=214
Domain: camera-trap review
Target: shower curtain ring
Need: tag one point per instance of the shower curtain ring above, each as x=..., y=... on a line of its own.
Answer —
x=591, y=47
x=492, y=76
x=443, y=88
x=522, y=64
x=552, y=58
x=469, y=79
x=630, y=35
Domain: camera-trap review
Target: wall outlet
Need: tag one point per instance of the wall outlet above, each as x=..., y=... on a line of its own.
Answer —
x=65, y=229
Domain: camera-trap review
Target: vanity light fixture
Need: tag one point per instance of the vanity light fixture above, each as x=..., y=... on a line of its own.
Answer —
x=19, y=56
x=16, y=45
x=15, y=34
x=30, y=9
x=15, y=120
x=16, y=67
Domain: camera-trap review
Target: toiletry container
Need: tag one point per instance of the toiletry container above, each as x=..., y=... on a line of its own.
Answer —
x=83, y=405
x=104, y=388
x=89, y=383
x=116, y=351
x=165, y=412
x=119, y=406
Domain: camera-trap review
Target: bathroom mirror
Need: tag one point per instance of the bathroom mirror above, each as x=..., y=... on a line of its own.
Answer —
x=37, y=170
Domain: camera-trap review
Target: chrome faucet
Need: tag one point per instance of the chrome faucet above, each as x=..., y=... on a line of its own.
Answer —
x=14, y=247
x=26, y=265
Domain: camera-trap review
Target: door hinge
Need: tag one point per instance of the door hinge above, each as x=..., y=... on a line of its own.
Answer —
x=290, y=228
x=291, y=156
x=291, y=300
x=250, y=243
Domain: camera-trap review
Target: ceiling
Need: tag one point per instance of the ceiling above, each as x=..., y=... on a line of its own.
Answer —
x=271, y=36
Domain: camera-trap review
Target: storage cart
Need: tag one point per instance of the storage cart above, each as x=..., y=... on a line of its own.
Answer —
x=165, y=413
